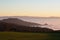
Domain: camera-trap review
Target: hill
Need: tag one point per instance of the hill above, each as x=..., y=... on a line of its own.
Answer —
x=13, y=24
x=19, y=22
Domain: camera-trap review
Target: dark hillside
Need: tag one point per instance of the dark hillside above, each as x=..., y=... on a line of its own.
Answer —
x=16, y=25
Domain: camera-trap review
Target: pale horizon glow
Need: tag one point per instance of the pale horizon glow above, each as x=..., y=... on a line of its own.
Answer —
x=37, y=8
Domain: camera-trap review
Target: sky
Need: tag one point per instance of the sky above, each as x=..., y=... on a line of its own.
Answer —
x=37, y=8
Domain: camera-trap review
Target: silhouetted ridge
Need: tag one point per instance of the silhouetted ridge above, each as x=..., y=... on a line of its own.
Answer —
x=19, y=22
x=10, y=25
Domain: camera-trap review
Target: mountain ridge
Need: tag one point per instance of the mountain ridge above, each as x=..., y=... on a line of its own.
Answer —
x=7, y=26
x=18, y=22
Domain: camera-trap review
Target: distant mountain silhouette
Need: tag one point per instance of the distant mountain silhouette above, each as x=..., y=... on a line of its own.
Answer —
x=19, y=22
x=14, y=24
x=17, y=25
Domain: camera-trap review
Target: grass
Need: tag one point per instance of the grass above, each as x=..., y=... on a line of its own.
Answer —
x=29, y=36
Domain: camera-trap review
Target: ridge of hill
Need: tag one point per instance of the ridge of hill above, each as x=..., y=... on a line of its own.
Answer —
x=13, y=24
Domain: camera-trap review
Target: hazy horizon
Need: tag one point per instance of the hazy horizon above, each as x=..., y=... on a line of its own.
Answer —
x=31, y=16
x=35, y=8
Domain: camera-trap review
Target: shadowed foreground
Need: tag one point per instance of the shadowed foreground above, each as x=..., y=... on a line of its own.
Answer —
x=28, y=36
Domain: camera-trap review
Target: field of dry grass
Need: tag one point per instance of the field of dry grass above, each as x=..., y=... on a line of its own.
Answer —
x=29, y=36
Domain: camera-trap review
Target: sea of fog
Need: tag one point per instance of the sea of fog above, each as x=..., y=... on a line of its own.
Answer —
x=53, y=23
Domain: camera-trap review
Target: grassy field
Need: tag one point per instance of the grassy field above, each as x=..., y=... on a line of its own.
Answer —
x=29, y=36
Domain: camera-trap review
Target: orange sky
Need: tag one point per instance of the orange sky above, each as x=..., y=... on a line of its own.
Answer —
x=31, y=14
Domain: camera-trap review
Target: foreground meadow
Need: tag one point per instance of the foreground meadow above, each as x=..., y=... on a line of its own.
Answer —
x=29, y=36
